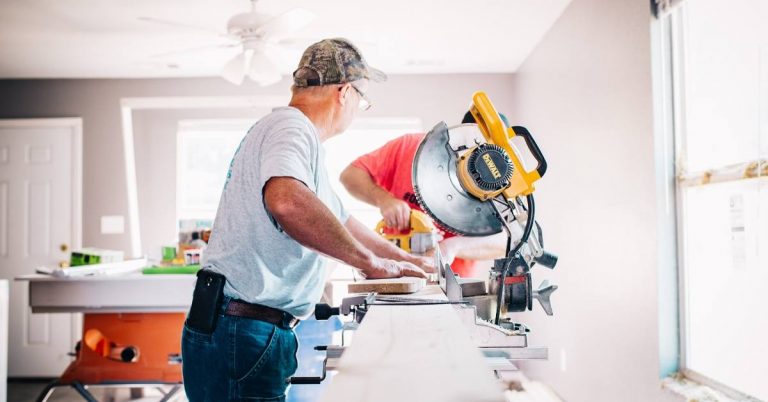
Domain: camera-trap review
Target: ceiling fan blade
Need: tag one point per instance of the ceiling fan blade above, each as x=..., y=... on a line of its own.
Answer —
x=179, y=24
x=234, y=70
x=296, y=42
x=263, y=70
x=287, y=22
x=194, y=49
x=303, y=42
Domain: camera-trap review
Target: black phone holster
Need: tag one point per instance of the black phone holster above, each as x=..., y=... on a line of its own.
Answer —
x=206, y=301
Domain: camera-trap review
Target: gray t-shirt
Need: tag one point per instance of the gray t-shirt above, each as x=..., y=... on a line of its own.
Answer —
x=261, y=262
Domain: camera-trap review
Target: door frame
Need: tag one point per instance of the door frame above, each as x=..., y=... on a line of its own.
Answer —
x=75, y=126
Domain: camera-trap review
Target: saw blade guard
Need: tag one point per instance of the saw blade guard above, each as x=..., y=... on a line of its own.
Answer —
x=439, y=190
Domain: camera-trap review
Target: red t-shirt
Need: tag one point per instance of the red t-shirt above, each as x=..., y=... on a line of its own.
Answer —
x=390, y=168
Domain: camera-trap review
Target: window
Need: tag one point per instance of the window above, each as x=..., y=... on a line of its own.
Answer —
x=720, y=57
x=205, y=149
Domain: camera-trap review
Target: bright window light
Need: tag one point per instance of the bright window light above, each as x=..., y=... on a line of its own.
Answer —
x=205, y=149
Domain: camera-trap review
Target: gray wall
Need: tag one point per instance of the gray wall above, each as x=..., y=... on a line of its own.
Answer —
x=586, y=94
x=430, y=97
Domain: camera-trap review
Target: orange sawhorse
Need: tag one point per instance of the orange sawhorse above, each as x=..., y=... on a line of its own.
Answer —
x=125, y=350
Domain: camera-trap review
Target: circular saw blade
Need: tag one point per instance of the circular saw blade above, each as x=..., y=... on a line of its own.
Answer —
x=439, y=192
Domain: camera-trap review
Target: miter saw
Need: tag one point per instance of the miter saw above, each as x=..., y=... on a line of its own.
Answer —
x=474, y=180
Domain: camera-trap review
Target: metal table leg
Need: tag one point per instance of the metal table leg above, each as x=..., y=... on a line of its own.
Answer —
x=83, y=392
x=171, y=394
x=47, y=391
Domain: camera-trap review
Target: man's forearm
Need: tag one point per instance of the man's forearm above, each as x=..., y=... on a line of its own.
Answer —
x=361, y=186
x=308, y=221
x=396, y=212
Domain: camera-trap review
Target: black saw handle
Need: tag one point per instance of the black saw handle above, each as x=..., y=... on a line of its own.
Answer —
x=534, y=148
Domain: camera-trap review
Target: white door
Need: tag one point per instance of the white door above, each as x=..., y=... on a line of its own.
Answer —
x=40, y=212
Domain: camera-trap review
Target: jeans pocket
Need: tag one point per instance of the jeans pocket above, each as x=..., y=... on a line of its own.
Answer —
x=193, y=336
x=253, y=344
x=267, y=379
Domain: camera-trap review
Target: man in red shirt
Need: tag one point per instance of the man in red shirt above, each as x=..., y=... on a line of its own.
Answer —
x=383, y=179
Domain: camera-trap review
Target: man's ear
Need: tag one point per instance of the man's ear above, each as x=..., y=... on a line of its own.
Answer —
x=342, y=95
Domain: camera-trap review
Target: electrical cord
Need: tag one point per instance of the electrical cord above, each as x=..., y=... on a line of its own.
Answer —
x=526, y=233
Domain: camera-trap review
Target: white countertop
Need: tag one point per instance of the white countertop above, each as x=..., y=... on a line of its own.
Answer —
x=110, y=293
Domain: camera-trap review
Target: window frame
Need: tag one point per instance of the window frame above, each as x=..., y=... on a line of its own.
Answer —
x=671, y=119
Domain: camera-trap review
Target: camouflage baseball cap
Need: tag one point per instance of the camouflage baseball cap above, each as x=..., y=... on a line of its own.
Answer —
x=333, y=61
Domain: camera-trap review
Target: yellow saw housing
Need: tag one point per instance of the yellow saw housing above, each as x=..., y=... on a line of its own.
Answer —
x=487, y=170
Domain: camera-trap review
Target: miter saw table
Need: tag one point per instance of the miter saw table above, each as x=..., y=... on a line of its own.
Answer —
x=421, y=347
x=418, y=352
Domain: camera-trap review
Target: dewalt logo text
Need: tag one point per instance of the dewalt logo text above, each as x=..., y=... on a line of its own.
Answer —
x=491, y=166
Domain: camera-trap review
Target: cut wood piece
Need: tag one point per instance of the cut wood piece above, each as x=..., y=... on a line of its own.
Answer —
x=388, y=286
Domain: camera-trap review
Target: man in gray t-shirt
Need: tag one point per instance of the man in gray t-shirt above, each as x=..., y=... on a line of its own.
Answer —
x=277, y=223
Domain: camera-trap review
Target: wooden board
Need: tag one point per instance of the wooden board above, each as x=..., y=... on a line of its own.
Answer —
x=413, y=353
x=387, y=286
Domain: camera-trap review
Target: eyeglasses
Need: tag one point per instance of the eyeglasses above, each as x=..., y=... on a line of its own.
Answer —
x=365, y=103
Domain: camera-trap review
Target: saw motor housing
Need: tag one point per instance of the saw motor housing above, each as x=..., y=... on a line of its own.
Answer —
x=520, y=181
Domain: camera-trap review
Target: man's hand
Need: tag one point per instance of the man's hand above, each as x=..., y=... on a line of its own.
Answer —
x=359, y=183
x=396, y=213
x=426, y=263
x=408, y=269
x=385, y=268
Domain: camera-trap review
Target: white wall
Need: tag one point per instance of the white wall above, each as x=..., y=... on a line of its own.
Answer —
x=585, y=93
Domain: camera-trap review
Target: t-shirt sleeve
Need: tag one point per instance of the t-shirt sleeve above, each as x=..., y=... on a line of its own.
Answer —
x=289, y=152
x=382, y=163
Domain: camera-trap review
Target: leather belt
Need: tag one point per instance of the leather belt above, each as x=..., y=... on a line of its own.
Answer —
x=239, y=308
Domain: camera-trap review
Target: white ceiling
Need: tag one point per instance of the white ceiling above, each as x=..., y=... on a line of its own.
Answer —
x=105, y=38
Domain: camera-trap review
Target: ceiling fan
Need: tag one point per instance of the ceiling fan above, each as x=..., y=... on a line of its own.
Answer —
x=259, y=37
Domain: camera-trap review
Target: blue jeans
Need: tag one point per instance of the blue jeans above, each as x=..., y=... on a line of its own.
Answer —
x=242, y=360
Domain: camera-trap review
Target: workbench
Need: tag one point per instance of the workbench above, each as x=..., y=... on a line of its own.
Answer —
x=144, y=313
x=134, y=293
x=413, y=353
